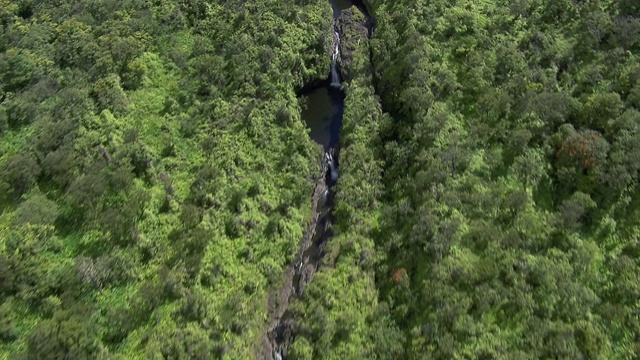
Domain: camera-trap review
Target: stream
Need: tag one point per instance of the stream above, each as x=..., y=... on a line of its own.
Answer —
x=322, y=110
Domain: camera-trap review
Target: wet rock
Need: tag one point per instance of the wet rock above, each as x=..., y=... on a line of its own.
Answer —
x=280, y=333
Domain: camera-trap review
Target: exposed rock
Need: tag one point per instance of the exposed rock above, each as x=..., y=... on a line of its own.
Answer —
x=353, y=29
x=280, y=333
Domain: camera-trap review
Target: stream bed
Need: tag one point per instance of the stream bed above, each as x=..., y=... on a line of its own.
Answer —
x=322, y=110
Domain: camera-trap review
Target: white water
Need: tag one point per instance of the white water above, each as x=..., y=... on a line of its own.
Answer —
x=335, y=76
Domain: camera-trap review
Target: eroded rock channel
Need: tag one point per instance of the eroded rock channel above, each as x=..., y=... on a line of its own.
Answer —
x=323, y=112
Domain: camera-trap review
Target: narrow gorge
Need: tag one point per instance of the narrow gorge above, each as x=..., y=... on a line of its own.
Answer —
x=323, y=109
x=319, y=179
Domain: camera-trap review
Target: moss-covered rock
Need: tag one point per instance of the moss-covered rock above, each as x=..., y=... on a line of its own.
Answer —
x=352, y=27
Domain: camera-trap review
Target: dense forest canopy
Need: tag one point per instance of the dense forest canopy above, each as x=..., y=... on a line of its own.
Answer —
x=154, y=172
x=511, y=177
x=155, y=179
x=493, y=209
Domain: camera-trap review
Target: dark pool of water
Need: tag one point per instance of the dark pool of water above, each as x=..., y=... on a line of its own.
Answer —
x=322, y=111
x=339, y=5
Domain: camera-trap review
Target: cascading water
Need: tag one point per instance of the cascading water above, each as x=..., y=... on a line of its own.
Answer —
x=335, y=75
x=333, y=168
x=325, y=108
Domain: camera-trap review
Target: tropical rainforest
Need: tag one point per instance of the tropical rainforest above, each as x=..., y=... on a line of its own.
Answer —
x=156, y=178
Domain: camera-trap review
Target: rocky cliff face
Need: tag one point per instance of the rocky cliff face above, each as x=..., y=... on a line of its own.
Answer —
x=353, y=29
x=281, y=331
x=350, y=31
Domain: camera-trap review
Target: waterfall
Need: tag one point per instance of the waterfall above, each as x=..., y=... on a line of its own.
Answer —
x=336, y=50
x=335, y=76
x=333, y=169
x=282, y=331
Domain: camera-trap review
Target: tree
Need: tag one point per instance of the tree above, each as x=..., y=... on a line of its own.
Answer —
x=190, y=342
x=92, y=272
x=20, y=109
x=19, y=68
x=600, y=109
x=70, y=334
x=301, y=349
x=74, y=45
x=9, y=274
x=37, y=210
x=109, y=94
x=51, y=135
x=580, y=158
x=573, y=210
x=58, y=166
x=84, y=193
x=629, y=7
x=529, y=167
x=19, y=172
x=4, y=120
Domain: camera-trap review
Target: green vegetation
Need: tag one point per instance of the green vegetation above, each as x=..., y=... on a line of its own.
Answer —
x=155, y=179
x=510, y=214
x=495, y=204
x=154, y=172
x=339, y=315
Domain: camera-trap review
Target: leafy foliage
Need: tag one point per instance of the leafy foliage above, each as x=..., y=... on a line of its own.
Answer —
x=155, y=177
x=147, y=169
x=505, y=197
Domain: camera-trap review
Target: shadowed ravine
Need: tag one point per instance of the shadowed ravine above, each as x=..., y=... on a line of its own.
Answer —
x=323, y=112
